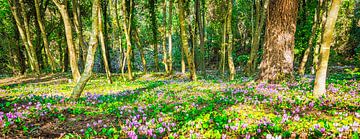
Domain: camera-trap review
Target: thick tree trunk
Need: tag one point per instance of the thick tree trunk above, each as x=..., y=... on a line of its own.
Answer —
x=328, y=35
x=184, y=40
x=103, y=49
x=230, y=42
x=170, y=37
x=259, y=24
x=44, y=37
x=69, y=39
x=154, y=30
x=85, y=76
x=223, y=46
x=278, y=56
x=164, y=39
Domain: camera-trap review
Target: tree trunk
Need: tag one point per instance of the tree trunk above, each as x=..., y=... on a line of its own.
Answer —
x=103, y=49
x=78, y=28
x=85, y=76
x=259, y=24
x=184, y=40
x=164, y=39
x=278, y=56
x=154, y=30
x=142, y=55
x=44, y=37
x=69, y=38
x=223, y=45
x=170, y=37
x=127, y=28
x=199, y=21
x=230, y=42
x=27, y=38
x=323, y=14
x=328, y=35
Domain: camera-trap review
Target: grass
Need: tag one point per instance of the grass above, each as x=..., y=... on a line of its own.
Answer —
x=158, y=106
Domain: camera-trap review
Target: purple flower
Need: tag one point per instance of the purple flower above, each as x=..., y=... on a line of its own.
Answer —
x=247, y=136
x=223, y=136
x=161, y=130
x=311, y=104
x=226, y=127
x=243, y=125
x=258, y=130
x=316, y=126
x=150, y=132
x=322, y=130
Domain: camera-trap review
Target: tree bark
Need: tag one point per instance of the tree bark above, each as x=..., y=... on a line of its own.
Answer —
x=278, y=56
x=154, y=30
x=184, y=40
x=85, y=76
x=69, y=39
x=78, y=28
x=44, y=37
x=103, y=48
x=328, y=36
x=200, y=24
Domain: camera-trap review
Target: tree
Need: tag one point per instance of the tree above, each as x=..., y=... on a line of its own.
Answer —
x=277, y=59
x=230, y=41
x=320, y=79
x=259, y=24
x=154, y=31
x=78, y=28
x=44, y=36
x=24, y=31
x=184, y=41
x=85, y=76
x=170, y=37
x=199, y=20
x=63, y=8
x=103, y=48
x=164, y=39
x=127, y=27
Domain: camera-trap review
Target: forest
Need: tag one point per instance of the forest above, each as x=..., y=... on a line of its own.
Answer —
x=180, y=69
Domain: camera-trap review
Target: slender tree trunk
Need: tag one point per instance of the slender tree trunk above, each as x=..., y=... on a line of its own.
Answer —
x=127, y=28
x=85, y=76
x=311, y=40
x=259, y=24
x=323, y=14
x=278, y=56
x=328, y=35
x=44, y=37
x=142, y=55
x=164, y=39
x=223, y=45
x=230, y=42
x=27, y=38
x=103, y=49
x=78, y=28
x=199, y=21
x=154, y=30
x=183, y=65
x=185, y=45
x=170, y=37
x=69, y=38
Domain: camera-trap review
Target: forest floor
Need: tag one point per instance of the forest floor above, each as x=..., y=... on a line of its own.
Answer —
x=159, y=106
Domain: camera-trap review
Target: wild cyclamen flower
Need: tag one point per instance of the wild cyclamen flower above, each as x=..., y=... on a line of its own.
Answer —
x=322, y=130
x=247, y=136
x=161, y=130
x=243, y=125
x=223, y=136
x=311, y=104
x=296, y=117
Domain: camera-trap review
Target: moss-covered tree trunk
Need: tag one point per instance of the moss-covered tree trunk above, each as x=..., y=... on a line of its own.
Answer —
x=278, y=56
x=85, y=76
x=127, y=28
x=142, y=54
x=328, y=36
x=184, y=41
x=69, y=38
x=78, y=28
